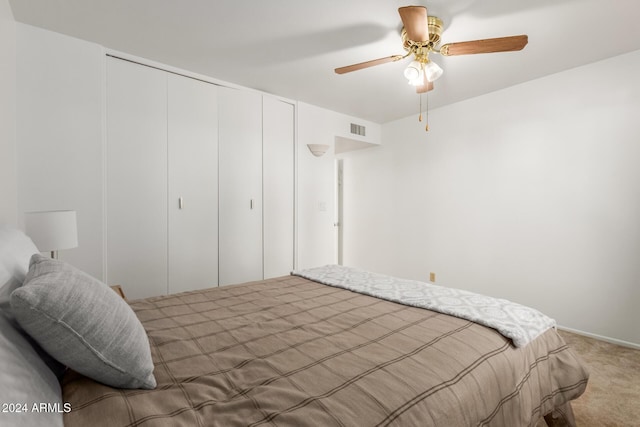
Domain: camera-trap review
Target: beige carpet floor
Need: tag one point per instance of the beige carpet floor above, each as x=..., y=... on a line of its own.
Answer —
x=612, y=398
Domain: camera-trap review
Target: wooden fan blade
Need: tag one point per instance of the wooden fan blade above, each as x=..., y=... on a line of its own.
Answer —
x=414, y=19
x=367, y=64
x=500, y=44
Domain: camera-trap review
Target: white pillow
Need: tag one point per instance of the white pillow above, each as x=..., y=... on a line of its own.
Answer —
x=26, y=380
x=16, y=249
x=24, y=376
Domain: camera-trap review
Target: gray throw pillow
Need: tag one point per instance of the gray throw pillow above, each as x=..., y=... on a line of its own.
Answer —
x=82, y=323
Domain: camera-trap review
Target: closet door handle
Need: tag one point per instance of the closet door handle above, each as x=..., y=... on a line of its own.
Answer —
x=251, y=204
x=180, y=203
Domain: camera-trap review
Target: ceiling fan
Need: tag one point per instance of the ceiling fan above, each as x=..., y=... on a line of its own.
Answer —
x=421, y=36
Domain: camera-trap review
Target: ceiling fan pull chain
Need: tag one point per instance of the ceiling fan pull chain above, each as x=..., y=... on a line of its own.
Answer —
x=427, y=114
x=420, y=116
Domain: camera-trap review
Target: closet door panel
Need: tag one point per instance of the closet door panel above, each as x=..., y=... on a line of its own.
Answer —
x=136, y=178
x=278, y=182
x=240, y=186
x=193, y=184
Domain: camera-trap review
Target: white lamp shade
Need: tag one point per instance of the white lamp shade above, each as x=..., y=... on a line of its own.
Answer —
x=412, y=72
x=52, y=230
x=432, y=71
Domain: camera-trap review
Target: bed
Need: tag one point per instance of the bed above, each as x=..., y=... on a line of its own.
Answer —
x=291, y=351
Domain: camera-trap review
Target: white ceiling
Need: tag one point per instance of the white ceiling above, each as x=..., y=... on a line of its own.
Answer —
x=290, y=47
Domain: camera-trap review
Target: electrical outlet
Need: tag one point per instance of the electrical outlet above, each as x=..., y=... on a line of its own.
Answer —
x=432, y=277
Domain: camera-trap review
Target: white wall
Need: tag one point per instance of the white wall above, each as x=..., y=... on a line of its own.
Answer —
x=531, y=193
x=60, y=147
x=59, y=135
x=8, y=196
x=315, y=188
x=316, y=181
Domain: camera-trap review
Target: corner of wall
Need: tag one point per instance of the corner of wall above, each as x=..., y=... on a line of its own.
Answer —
x=8, y=172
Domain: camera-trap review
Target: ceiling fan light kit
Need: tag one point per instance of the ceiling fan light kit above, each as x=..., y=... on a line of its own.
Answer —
x=414, y=72
x=432, y=71
x=421, y=35
x=417, y=71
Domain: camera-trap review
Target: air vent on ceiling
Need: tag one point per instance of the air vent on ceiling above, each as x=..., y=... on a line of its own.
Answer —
x=357, y=129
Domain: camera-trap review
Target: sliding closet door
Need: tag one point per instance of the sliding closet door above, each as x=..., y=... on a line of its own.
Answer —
x=193, y=184
x=278, y=181
x=136, y=178
x=240, y=175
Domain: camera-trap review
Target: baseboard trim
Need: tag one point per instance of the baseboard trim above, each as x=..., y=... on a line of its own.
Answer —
x=601, y=338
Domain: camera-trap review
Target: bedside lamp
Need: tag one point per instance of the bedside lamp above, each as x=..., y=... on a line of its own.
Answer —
x=52, y=231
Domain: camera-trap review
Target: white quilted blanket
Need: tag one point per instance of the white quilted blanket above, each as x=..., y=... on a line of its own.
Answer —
x=519, y=323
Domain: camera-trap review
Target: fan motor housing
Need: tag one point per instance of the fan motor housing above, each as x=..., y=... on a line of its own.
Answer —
x=435, y=29
x=435, y=26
